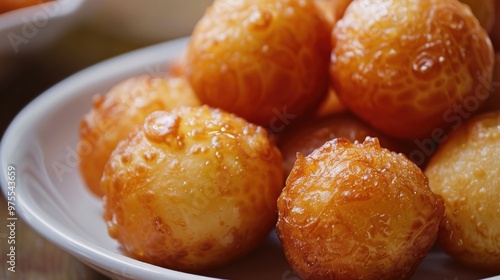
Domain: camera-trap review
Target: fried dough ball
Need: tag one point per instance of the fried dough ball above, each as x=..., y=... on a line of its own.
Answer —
x=260, y=59
x=401, y=65
x=10, y=5
x=193, y=189
x=357, y=211
x=118, y=112
x=465, y=171
x=309, y=135
x=484, y=10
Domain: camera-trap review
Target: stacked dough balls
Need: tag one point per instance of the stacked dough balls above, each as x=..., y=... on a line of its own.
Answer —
x=191, y=169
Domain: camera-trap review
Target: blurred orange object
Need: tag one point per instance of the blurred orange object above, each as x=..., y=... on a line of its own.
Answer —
x=465, y=171
x=10, y=5
x=406, y=66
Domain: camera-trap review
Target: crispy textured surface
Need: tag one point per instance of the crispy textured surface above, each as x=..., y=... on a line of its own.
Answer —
x=312, y=134
x=118, y=112
x=465, y=171
x=357, y=211
x=192, y=189
x=260, y=58
x=401, y=64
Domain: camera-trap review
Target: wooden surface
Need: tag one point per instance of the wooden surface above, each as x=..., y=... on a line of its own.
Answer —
x=30, y=75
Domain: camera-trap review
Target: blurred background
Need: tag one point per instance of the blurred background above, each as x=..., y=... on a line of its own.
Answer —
x=43, y=44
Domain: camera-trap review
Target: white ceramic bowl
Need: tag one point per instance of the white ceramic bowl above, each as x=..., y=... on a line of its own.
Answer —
x=51, y=198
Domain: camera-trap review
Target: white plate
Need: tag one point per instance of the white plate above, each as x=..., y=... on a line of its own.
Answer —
x=57, y=205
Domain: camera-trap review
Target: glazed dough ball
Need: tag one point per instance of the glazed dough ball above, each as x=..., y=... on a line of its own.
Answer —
x=309, y=135
x=193, y=189
x=403, y=65
x=118, y=112
x=465, y=171
x=260, y=59
x=357, y=211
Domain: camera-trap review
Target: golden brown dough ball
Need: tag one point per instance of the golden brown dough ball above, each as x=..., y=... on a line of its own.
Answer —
x=484, y=10
x=313, y=133
x=465, y=171
x=357, y=211
x=118, y=112
x=193, y=189
x=260, y=59
x=10, y=5
x=403, y=65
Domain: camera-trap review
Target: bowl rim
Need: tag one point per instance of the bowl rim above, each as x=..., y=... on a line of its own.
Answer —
x=18, y=17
